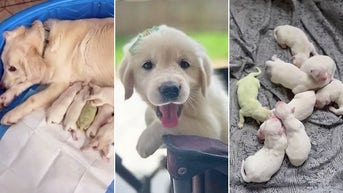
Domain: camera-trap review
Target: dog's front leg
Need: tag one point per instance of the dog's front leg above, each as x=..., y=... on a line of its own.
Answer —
x=151, y=139
x=13, y=92
x=41, y=99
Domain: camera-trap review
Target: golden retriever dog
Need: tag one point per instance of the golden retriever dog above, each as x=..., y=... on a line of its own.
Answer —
x=173, y=75
x=55, y=54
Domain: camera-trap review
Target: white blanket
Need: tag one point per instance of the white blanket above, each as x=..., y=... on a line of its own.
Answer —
x=36, y=157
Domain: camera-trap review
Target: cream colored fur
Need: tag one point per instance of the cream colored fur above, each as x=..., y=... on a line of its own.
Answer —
x=204, y=101
x=78, y=50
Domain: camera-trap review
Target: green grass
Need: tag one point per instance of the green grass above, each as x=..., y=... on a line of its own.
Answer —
x=216, y=44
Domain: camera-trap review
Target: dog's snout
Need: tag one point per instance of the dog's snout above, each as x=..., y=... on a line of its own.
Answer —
x=169, y=90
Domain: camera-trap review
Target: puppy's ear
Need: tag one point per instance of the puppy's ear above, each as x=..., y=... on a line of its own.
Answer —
x=8, y=35
x=126, y=77
x=206, y=73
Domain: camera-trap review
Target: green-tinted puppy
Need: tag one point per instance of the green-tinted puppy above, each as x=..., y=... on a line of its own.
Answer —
x=87, y=116
x=247, y=90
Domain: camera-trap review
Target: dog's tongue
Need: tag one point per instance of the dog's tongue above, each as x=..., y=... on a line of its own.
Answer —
x=169, y=117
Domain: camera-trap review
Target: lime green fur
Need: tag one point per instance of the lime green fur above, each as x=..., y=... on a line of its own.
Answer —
x=87, y=116
x=247, y=91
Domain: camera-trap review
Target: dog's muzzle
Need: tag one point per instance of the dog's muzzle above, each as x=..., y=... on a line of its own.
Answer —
x=169, y=91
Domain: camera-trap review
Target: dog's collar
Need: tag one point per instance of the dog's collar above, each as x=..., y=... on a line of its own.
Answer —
x=46, y=39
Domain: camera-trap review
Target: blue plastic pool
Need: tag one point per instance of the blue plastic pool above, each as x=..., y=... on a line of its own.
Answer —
x=59, y=9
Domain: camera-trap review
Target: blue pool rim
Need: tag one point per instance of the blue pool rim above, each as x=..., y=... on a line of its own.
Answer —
x=53, y=9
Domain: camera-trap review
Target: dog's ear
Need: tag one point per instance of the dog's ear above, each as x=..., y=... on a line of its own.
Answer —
x=206, y=73
x=126, y=77
x=37, y=23
x=8, y=35
x=34, y=66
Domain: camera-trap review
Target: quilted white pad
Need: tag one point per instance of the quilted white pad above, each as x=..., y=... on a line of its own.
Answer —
x=36, y=157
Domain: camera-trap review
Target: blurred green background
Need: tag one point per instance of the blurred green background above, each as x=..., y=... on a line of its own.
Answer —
x=204, y=20
x=215, y=42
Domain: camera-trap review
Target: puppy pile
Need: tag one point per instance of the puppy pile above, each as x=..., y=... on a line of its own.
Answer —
x=310, y=77
x=89, y=108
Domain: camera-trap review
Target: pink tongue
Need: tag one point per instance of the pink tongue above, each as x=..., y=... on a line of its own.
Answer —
x=169, y=117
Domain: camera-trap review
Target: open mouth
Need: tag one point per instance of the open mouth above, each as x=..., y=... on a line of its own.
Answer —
x=169, y=114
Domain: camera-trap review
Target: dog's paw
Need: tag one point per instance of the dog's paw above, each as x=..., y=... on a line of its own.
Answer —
x=148, y=143
x=11, y=118
x=6, y=99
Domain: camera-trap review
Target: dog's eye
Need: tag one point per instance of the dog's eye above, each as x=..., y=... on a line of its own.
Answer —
x=184, y=64
x=147, y=65
x=12, y=69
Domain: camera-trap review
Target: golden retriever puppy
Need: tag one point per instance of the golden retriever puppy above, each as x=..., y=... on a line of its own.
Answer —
x=55, y=53
x=101, y=95
x=101, y=117
x=173, y=75
x=74, y=111
x=103, y=139
x=57, y=110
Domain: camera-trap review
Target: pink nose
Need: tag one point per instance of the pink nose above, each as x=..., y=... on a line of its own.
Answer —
x=323, y=76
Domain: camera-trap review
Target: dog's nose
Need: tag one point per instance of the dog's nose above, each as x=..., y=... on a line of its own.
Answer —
x=169, y=90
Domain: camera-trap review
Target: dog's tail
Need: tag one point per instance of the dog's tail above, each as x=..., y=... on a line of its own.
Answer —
x=245, y=178
x=256, y=73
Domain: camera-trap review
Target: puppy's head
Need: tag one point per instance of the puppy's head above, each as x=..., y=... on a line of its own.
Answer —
x=282, y=110
x=270, y=127
x=168, y=69
x=21, y=56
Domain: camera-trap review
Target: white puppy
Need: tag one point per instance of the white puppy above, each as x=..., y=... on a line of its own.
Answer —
x=57, y=110
x=173, y=75
x=101, y=117
x=291, y=77
x=296, y=40
x=299, y=144
x=267, y=161
x=333, y=92
x=303, y=103
x=103, y=139
x=101, y=95
x=320, y=67
x=74, y=111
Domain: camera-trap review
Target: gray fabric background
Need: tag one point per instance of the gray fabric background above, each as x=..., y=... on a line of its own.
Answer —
x=251, y=44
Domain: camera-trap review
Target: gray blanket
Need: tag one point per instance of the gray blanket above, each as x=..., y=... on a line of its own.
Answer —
x=251, y=44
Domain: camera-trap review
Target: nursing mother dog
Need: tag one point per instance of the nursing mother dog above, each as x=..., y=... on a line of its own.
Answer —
x=55, y=53
x=173, y=75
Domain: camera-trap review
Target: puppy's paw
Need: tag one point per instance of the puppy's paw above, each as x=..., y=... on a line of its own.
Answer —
x=91, y=132
x=148, y=143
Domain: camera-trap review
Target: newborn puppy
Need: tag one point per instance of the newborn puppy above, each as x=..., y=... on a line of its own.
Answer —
x=56, y=111
x=103, y=139
x=101, y=95
x=291, y=77
x=303, y=104
x=247, y=91
x=333, y=92
x=100, y=119
x=296, y=40
x=321, y=68
x=267, y=161
x=74, y=111
x=299, y=144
